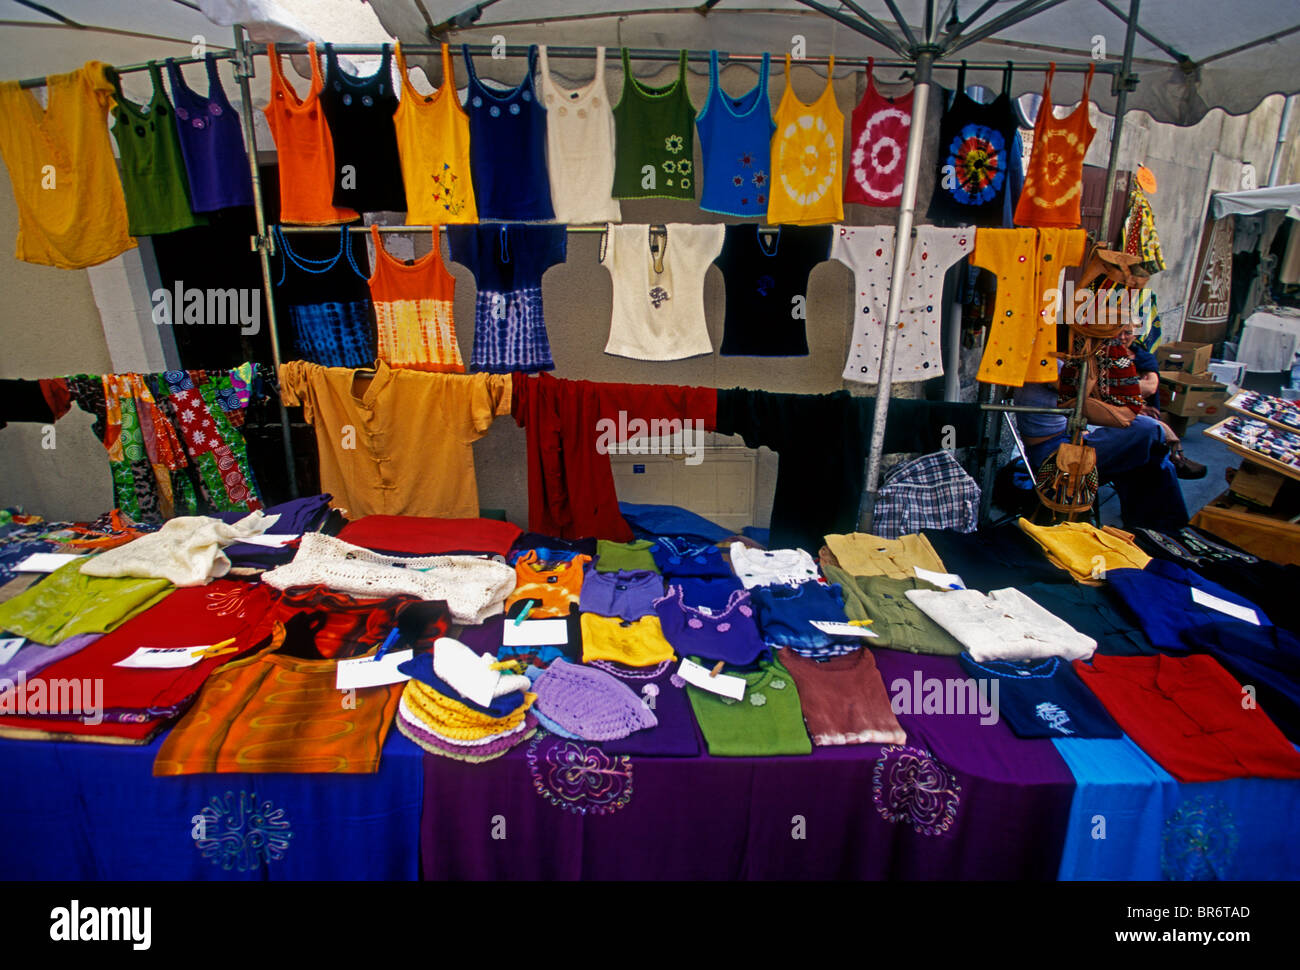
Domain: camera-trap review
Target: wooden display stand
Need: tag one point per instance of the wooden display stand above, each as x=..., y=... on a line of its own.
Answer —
x=1269, y=535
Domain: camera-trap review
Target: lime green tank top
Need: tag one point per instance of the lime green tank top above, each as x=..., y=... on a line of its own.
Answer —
x=654, y=138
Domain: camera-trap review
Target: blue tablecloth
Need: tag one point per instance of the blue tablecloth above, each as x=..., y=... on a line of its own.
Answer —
x=95, y=812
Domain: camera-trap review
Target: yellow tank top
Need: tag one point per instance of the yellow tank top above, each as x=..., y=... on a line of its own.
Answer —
x=807, y=157
x=433, y=142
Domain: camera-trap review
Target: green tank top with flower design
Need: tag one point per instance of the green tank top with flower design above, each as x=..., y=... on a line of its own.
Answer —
x=654, y=138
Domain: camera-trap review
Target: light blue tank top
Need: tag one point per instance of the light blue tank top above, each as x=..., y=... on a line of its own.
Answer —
x=736, y=146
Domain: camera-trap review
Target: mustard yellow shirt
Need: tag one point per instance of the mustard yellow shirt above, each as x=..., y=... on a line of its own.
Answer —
x=401, y=445
x=71, y=208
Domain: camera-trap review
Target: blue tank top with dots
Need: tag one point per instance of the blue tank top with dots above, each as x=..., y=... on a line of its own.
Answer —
x=507, y=148
x=736, y=146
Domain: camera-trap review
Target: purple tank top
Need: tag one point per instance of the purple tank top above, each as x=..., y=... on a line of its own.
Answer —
x=629, y=594
x=664, y=693
x=730, y=635
x=212, y=143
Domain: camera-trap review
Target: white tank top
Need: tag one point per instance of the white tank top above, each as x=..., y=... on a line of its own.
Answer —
x=580, y=147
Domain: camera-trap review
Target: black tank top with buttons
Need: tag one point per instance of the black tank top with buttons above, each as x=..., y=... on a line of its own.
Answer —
x=367, y=168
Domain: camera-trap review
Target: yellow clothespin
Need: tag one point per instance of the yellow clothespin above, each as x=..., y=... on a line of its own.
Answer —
x=215, y=650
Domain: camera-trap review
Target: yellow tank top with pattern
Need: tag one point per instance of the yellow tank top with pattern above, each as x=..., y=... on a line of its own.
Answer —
x=807, y=158
x=433, y=143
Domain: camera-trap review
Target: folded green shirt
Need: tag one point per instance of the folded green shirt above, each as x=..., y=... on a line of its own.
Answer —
x=897, y=622
x=613, y=556
x=66, y=603
x=767, y=721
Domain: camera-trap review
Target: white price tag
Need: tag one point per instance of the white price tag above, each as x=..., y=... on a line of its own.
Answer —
x=536, y=633
x=46, y=562
x=942, y=580
x=724, y=684
x=843, y=629
x=10, y=646
x=358, y=672
x=163, y=658
x=1223, y=606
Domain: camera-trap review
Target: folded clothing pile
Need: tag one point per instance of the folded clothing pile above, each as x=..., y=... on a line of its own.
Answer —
x=463, y=705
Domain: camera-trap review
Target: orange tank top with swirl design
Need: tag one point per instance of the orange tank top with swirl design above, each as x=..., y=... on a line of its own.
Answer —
x=1054, y=178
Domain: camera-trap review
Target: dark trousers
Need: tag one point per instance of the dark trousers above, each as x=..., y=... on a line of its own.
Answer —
x=1136, y=461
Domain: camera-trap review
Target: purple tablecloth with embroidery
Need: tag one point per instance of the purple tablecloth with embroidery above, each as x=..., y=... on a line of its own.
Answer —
x=960, y=800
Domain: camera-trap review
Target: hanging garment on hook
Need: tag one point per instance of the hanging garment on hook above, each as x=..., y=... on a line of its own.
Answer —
x=975, y=142
x=303, y=147
x=508, y=263
x=659, y=289
x=878, y=146
x=580, y=147
x=766, y=276
x=1054, y=177
x=413, y=310
x=1022, y=335
x=807, y=157
x=321, y=287
x=71, y=209
x=433, y=143
x=212, y=142
x=869, y=252
x=736, y=146
x=367, y=170
x=508, y=147
x=153, y=171
x=655, y=138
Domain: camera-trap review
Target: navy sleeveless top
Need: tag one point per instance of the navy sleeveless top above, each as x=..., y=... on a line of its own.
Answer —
x=507, y=148
x=212, y=143
x=736, y=146
x=359, y=110
x=321, y=286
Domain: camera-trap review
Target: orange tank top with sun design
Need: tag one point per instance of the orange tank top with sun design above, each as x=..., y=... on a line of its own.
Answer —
x=807, y=154
x=1054, y=178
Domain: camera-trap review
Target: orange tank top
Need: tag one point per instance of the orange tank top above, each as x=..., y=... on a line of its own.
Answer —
x=413, y=310
x=433, y=143
x=1054, y=179
x=807, y=157
x=303, y=147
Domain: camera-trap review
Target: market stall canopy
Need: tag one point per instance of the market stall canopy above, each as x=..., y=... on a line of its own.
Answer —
x=1191, y=55
x=1284, y=197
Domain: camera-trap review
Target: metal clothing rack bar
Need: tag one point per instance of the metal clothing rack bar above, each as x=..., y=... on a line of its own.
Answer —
x=221, y=54
x=423, y=229
x=702, y=57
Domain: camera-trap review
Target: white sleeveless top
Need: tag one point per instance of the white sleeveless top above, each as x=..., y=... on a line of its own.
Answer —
x=580, y=147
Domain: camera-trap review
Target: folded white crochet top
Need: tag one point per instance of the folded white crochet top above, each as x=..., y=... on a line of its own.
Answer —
x=186, y=551
x=473, y=588
x=1005, y=625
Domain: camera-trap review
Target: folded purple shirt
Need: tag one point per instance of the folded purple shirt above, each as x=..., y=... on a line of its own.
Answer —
x=628, y=594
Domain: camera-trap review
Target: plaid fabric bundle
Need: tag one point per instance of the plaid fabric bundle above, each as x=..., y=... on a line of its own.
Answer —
x=931, y=492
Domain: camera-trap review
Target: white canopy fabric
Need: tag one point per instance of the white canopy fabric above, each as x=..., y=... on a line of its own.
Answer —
x=1256, y=201
x=1191, y=56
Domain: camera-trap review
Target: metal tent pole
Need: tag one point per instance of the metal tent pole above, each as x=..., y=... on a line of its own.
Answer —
x=1124, y=82
x=261, y=242
x=898, y=277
